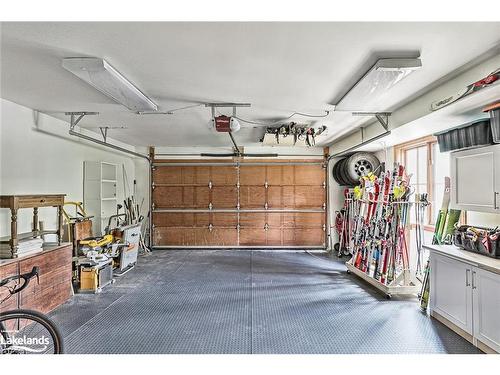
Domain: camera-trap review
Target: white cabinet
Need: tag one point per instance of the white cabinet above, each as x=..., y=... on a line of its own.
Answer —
x=468, y=297
x=486, y=295
x=451, y=293
x=475, y=178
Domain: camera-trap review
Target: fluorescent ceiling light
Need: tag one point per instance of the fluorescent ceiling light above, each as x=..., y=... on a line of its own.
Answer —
x=368, y=92
x=102, y=76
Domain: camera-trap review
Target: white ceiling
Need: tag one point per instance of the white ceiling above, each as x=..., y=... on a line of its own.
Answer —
x=278, y=67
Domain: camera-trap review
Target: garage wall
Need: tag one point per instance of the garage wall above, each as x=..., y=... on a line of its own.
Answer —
x=37, y=156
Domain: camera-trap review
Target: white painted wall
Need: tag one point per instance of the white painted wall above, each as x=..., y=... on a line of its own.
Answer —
x=37, y=156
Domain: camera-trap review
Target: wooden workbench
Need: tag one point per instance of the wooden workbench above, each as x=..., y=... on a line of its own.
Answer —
x=16, y=202
x=55, y=279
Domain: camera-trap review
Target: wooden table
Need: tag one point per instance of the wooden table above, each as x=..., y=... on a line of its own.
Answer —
x=15, y=202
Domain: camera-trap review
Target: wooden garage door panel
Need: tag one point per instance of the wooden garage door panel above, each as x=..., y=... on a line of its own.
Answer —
x=303, y=196
x=309, y=237
x=224, y=175
x=253, y=220
x=275, y=220
x=181, y=196
x=252, y=237
x=252, y=175
x=176, y=236
x=303, y=237
x=252, y=197
x=309, y=174
x=163, y=219
x=309, y=219
x=224, y=237
x=201, y=175
x=171, y=175
x=273, y=237
x=185, y=175
x=224, y=197
x=304, y=220
x=274, y=197
x=216, y=237
x=274, y=175
x=173, y=196
x=201, y=219
x=227, y=220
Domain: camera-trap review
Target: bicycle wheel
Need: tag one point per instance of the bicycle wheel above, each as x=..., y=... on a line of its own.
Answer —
x=28, y=332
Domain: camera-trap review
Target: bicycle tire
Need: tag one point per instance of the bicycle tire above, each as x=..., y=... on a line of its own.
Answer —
x=41, y=319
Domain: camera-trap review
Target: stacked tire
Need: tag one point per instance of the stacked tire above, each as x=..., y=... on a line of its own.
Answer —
x=349, y=170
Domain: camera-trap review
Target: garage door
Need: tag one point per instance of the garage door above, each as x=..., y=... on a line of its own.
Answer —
x=240, y=204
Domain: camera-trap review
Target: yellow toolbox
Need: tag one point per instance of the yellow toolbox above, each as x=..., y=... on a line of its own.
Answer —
x=89, y=279
x=94, y=278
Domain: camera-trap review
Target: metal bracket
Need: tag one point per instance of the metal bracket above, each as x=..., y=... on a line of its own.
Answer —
x=75, y=120
x=382, y=117
x=266, y=185
x=210, y=184
x=266, y=227
x=266, y=206
x=104, y=132
x=210, y=227
x=210, y=206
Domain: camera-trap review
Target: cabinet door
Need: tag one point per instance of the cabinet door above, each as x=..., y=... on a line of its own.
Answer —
x=451, y=293
x=486, y=300
x=474, y=179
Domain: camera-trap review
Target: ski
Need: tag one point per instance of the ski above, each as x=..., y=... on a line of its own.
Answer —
x=443, y=212
x=452, y=219
x=473, y=87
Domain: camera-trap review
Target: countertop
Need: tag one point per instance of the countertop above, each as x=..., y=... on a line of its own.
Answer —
x=478, y=260
x=46, y=249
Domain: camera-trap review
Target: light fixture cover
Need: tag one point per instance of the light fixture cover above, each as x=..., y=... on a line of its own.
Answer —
x=101, y=75
x=368, y=92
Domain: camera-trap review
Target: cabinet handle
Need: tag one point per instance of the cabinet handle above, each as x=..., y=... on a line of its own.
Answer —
x=467, y=272
x=473, y=280
x=495, y=195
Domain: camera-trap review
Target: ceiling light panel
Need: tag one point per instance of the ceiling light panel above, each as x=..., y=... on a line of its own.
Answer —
x=368, y=92
x=101, y=75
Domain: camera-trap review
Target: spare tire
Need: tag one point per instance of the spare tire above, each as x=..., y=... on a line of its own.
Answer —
x=335, y=173
x=359, y=165
x=346, y=181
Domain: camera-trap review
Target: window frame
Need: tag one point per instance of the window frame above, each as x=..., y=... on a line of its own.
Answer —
x=400, y=154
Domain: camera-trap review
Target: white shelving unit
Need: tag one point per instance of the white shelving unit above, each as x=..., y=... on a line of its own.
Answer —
x=99, y=192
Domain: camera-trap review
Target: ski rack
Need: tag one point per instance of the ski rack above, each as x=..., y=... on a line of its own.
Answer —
x=405, y=283
x=380, y=250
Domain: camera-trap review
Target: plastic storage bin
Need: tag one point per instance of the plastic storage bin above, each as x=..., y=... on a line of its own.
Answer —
x=473, y=134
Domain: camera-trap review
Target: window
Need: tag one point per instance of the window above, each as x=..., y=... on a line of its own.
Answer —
x=428, y=168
